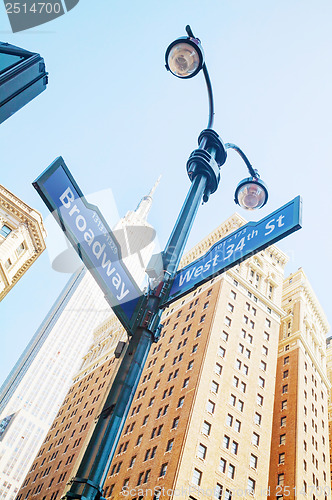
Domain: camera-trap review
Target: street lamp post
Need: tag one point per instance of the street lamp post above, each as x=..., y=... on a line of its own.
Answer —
x=184, y=58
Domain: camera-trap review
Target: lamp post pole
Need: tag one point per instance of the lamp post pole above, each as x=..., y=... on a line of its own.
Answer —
x=203, y=169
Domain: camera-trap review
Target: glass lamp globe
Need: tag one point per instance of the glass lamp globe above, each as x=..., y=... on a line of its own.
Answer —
x=251, y=193
x=184, y=57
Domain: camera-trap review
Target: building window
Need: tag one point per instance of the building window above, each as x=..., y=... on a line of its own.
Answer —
x=218, y=491
x=146, y=477
x=20, y=249
x=285, y=374
x=218, y=369
x=222, y=465
x=284, y=404
x=180, y=402
x=229, y=420
x=175, y=422
x=285, y=389
x=228, y=321
x=251, y=485
x=282, y=439
x=206, y=428
x=234, y=447
x=237, y=425
x=221, y=352
x=231, y=471
x=260, y=400
x=201, y=451
x=261, y=382
x=255, y=439
x=214, y=387
x=253, y=461
x=281, y=458
x=197, y=477
x=210, y=406
x=281, y=479
x=230, y=307
x=286, y=360
x=282, y=421
x=163, y=470
x=228, y=494
x=190, y=365
x=170, y=445
x=224, y=336
x=185, y=383
x=240, y=405
x=263, y=366
x=5, y=231
x=226, y=441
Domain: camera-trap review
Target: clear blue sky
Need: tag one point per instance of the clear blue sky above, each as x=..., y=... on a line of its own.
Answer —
x=119, y=120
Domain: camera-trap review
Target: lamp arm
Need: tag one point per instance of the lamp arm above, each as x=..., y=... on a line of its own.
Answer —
x=252, y=171
x=208, y=84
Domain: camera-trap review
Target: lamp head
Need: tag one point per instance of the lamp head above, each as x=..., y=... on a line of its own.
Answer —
x=184, y=57
x=251, y=193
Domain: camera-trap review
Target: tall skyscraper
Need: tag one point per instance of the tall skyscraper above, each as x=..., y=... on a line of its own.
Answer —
x=201, y=420
x=299, y=462
x=32, y=394
x=22, y=239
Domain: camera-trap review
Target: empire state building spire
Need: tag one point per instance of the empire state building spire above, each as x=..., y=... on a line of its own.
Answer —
x=144, y=206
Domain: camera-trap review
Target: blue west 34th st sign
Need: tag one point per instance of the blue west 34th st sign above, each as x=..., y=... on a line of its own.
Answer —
x=92, y=238
x=236, y=247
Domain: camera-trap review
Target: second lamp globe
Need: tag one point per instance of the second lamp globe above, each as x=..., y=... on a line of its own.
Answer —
x=184, y=57
x=251, y=193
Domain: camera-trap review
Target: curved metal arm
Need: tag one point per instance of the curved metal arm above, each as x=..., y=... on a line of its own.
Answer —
x=252, y=171
x=208, y=84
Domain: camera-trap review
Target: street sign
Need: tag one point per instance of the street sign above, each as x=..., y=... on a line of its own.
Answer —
x=92, y=238
x=236, y=247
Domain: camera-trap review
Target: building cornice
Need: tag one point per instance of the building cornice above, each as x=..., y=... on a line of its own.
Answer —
x=26, y=215
x=305, y=288
x=298, y=336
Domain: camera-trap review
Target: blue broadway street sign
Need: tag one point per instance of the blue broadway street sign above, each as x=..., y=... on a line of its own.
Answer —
x=236, y=247
x=92, y=238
